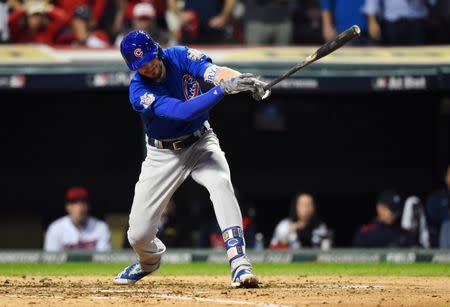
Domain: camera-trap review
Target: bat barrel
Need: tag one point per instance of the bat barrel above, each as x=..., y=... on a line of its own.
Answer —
x=329, y=47
x=338, y=41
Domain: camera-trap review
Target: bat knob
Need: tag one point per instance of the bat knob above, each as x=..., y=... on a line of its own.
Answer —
x=356, y=30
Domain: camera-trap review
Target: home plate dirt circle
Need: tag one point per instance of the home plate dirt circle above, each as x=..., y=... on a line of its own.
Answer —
x=275, y=291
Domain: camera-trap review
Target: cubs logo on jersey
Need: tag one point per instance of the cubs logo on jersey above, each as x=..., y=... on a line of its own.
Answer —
x=191, y=88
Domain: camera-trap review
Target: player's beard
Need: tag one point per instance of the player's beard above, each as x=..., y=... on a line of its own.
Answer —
x=157, y=74
x=162, y=74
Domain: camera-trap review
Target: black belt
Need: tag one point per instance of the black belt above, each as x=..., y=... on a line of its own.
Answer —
x=178, y=144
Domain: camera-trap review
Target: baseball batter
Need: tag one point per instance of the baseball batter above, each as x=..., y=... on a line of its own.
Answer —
x=180, y=143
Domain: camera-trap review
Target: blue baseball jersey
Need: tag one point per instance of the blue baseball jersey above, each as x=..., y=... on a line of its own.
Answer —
x=159, y=103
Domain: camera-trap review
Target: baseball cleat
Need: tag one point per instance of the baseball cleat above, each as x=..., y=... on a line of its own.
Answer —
x=245, y=279
x=131, y=274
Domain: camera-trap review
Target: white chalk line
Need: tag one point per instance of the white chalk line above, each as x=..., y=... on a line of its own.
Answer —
x=138, y=291
x=360, y=287
x=214, y=300
x=123, y=291
x=104, y=297
x=184, y=298
x=164, y=296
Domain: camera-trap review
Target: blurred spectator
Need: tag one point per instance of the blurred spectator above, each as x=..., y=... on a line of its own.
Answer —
x=202, y=22
x=97, y=7
x=384, y=231
x=307, y=22
x=437, y=209
x=402, y=22
x=249, y=225
x=80, y=34
x=77, y=230
x=339, y=15
x=159, y=6
x=444, y=235
x=268, y=22
x=144, y=19
x=4, y=31
x=114, y=20
x=36, y=22
x=439, y=23
x=210, y=236
x=303, y=228
x=414, y=221
x=119, y=17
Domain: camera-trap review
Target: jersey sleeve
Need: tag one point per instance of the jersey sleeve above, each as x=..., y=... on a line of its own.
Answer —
x=52, y=241
x=162, y=105
x=142, y=98
x=192, y=60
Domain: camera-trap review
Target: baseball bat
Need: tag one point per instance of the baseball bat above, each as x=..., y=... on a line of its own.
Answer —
x=325, y=50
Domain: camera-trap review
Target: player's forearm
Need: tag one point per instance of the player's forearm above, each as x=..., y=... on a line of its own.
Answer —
x=327, y=19
x=228, y=8
x=172, y=5
x=119, y=17
x=372, y=21
x=192, y=108
x=214, y=74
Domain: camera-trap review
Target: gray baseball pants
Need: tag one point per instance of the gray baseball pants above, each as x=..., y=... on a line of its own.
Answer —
x=162, y=173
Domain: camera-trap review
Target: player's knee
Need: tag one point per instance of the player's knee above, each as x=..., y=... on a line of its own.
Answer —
x=141, y=236
x=222, y=182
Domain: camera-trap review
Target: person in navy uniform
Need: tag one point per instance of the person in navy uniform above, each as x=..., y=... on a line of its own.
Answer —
x=384, y=231
x=180, y=143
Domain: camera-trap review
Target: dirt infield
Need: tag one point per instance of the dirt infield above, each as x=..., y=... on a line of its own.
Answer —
x=215, y=291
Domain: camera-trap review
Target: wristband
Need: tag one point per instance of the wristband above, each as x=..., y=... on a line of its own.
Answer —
x=212, y=74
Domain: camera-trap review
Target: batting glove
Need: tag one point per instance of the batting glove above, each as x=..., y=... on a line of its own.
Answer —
x=258, y=91
x=242, y=83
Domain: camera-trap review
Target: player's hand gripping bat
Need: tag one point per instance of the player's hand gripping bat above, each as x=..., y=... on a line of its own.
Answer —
x=326, y=49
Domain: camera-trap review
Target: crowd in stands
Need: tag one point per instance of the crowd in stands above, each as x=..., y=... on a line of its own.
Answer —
x=411, y=223
x=102, y=23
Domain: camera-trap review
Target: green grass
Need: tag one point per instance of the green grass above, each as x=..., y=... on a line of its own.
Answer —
x=266, y=269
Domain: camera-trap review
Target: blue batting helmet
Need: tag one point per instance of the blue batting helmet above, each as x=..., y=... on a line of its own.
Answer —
x=138, y=48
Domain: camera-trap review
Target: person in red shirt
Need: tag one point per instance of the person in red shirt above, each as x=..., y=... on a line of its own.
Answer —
x=159, y=6
x=97, y=7
x=80, y=34
x=144, y=19
x=36, y=22
x=126, y=15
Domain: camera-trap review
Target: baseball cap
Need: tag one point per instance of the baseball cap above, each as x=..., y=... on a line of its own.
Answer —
x=77, y=194
x=83, y=12
x=35, y=7
x=143, y=10
x=390, y=199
